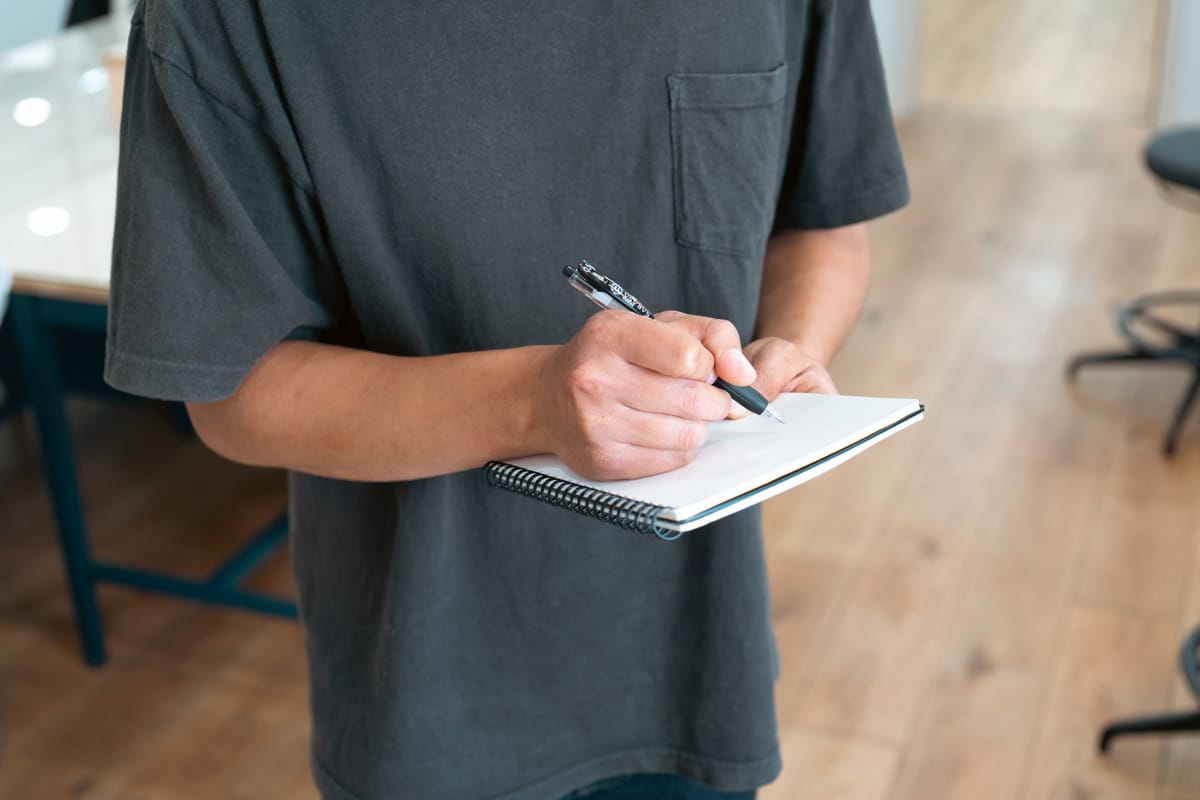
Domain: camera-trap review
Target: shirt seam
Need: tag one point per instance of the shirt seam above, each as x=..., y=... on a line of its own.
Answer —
x=714, y=108
x=327, y=774
x=164, y=362
x=303, y=186
x=824, y=202
x=671, y=751
x=768, y=760
x=714, y=248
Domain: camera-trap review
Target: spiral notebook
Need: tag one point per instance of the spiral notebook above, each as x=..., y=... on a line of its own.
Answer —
x=743, y=463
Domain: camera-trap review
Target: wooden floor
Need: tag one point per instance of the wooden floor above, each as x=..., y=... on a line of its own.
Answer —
x=1056, y=56
x=958, y=611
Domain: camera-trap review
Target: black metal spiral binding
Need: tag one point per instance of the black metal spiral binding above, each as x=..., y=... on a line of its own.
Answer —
x=622, y=511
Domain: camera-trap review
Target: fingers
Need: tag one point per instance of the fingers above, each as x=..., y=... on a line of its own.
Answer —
x=621, y=442
x=816, y=381
x=720, y=338
x=631, y=396
x=677, y=397
x=642, y=390
x=666, y=349
x=624, y=461
x=696, y=348
x=734, y=367
x=625, y=443
x=777, y=366
x=782, y=367
x=662, y=432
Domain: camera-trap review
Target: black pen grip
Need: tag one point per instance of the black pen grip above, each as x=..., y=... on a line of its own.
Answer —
x=745, y=396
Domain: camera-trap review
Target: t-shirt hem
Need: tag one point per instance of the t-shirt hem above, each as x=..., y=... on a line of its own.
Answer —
x=722, y=776
x=883, y=198
x=170, y=380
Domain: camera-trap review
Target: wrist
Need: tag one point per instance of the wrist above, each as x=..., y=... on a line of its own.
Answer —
x=530, y=393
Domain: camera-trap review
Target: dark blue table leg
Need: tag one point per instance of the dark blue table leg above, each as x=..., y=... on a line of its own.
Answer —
x=223, y=586
x=43, y=382
x=11, y=386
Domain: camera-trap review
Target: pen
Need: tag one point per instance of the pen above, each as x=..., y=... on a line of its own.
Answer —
x=607, y=293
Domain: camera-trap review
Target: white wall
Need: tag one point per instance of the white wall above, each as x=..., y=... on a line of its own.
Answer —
x=23, y=21
x=899, y=25
x=1179, y=89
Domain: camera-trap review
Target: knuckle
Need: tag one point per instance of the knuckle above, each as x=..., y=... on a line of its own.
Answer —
x=585, y=379
x=593, y=428
x=696, y=401
x=691, y=402
x=603, y=325
x=682, y=459
x=695, y=360
x=604, y=461
x=723, y=329
x=586, y=427
x=691, y=435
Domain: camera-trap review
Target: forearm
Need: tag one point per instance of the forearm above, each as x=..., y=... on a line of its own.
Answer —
x=813, y=287
x=358, y=415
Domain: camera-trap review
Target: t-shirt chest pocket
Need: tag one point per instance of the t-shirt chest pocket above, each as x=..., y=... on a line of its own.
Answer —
x=725, y=140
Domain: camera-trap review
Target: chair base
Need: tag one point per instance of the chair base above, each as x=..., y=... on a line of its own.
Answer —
x=1171, y=441
x=1174, y=722
x=1186, y=722
x=1136, y=321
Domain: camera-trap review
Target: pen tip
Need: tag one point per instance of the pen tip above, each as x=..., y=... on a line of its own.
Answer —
x=773, y=414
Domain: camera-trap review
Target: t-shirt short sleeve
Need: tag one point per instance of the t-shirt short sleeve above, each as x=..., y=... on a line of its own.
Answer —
x=218, y=253
x=844, y=163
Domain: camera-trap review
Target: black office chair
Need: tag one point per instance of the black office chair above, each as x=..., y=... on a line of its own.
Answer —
x=1175, y=158
x=1153, y=334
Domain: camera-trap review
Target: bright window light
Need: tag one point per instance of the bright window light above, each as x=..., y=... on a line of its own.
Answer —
x=32, y=111
x=48, y=221
x=94, y=80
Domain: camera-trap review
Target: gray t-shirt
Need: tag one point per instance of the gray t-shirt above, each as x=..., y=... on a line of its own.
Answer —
x=409, y=178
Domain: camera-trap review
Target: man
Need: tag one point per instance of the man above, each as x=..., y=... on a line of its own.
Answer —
x=340, y=234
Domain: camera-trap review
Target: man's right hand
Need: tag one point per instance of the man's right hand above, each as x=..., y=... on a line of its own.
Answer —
x=630, y=396
x=626, y=397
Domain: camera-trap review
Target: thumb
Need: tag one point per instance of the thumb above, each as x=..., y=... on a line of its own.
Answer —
x=734, y=367
x=773, y=375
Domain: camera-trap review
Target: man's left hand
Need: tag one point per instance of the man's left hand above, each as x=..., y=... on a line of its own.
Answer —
x=784, y=367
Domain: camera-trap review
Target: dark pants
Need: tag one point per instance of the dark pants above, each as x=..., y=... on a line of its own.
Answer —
x=652, y=787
